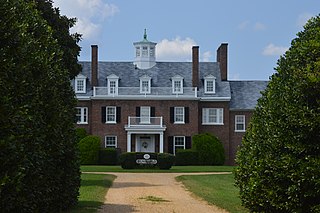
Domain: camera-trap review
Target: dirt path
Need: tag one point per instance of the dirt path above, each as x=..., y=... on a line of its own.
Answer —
x=153, y=192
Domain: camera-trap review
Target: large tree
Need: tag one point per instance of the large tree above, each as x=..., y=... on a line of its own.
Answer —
x=279, y=160
x=39, y=165
x=60, y=25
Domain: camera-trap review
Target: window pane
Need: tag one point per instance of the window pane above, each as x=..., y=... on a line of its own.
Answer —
x=144, y=114
x=111, y=114
x=209, y=86
x=145, y=86
x=177, y=86
x=111, y=142
x=80, y=85
x=179, y=114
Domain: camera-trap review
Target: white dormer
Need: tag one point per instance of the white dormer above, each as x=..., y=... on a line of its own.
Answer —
x=177, y=84
x=209, y=84
x=145, y=53
x=113, y=82
x=80, y=84
x=145, y=84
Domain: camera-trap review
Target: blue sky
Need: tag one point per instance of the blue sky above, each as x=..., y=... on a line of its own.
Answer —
x=257, y=32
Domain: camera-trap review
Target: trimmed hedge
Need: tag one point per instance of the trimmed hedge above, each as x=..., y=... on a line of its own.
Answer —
x=128, y=160
x=187, y=157
x=89, y=150
x=81, y=133
x=108, y=156
x=165, y=160
x=210, y=149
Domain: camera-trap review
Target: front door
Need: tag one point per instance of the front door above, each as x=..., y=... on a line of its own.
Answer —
x=145, y=143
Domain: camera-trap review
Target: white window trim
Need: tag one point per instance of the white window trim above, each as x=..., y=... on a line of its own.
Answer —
x=183, y=115
x=177, y=79
x=83, y=115
x=115, y=115
x=207, y=79
x=174, y=143
x=76, y=81
x=113, y=78
x=236, y=122
x=205, y=116
x=148, y=79
x=109, y=136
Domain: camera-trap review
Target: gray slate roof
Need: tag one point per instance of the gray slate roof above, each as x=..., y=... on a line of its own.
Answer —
x=244, y=94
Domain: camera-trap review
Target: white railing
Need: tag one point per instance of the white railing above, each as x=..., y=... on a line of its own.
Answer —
x=145, y=121
x=135, y=91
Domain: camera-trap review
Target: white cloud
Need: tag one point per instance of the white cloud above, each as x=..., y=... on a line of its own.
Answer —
x=206, y=56
x=91, y=15
x=175, y=50
x=273, y=50
x=257, y=26
x=303, y=18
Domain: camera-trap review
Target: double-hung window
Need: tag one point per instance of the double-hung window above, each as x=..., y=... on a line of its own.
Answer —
x=80, y=84
x=212, y=116
x=111, y=114
x=113, y=82
x=82, y=115
x=209, y=84
x=179, y=143
x=240, y=123
x=179, y=115
x=177, y=84
x=110, y=141
x=145, y=84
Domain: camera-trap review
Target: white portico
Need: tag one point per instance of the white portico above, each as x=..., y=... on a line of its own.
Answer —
x=145, y=133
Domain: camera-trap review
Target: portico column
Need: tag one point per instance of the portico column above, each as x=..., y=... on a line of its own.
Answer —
x=128, y=142
x=161, y=143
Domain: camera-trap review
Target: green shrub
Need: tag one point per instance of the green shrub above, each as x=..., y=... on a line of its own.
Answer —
x=81, y=133
x=279, y=159
x=210, y=149
x=165, y=160
x=89, y=150
x=186, y=157
x=127, y=160
x=108, y=156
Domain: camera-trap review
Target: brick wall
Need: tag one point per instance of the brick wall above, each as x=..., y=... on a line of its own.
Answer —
x=236, y=137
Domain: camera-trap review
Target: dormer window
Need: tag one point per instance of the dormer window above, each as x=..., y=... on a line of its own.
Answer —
x=177, y=84
x=113, y=82
x=210, y=84
x=80, y=84
x=151, y=51
x=145, y=84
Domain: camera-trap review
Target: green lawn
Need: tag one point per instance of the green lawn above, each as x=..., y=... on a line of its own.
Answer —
x=92, y=192
x=216, y=189
x=174, y=169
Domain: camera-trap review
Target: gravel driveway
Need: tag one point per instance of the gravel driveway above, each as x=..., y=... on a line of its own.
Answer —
x=153, y=192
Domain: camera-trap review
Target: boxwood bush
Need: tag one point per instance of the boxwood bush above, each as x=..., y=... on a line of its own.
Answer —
x=210, y=149
x=186, y=157
x=165, y=160
x=89, y=150
x=127, y=160
x=108, y=156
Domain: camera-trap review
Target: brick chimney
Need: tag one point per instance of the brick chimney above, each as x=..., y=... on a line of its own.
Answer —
x=195, y=66
x=222, y=58
x=94, y=65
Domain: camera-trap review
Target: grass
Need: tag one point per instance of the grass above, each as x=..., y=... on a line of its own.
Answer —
x=154, y=199
x=174, y=169
x=92, y=192
x=216, y=189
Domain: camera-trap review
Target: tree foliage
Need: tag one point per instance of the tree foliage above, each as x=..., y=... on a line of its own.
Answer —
x=39, y=165
x=210, y=149
x=60, y=26
x=279, y=159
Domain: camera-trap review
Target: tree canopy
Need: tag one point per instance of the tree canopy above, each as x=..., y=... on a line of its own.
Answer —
x=39, y=163
x=279, y=159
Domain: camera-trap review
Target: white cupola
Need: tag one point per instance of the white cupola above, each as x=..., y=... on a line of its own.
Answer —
x=145, y=53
